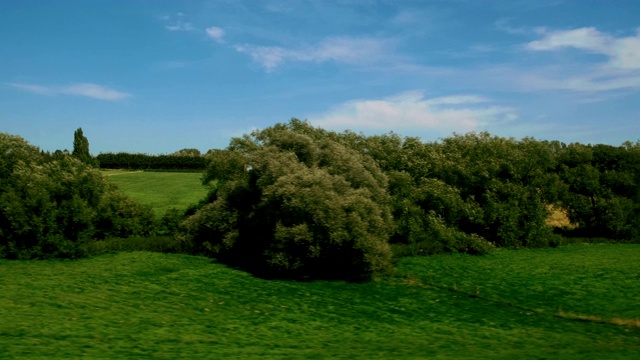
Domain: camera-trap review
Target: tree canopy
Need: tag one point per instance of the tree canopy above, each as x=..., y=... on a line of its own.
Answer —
x=288, y=204
x=51, y=205
x=81, y=148
x=466, y=193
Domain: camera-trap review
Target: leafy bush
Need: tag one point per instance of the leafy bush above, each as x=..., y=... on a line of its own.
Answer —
x=294, y=206
x=603, y=183
x=50, y=206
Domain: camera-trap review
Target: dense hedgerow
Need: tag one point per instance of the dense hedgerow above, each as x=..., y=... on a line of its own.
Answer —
x=51, y=205
x=182, y=160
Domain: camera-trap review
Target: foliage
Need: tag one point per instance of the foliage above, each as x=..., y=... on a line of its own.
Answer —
x=603, y=195
x=292, y=205
x=187, y=152
x=508, y=179
x=49, y=208
x=288, y=198
x=81, y=148
x=474, y=192
x=179, y=161
x=485, y=189
x=150, y=305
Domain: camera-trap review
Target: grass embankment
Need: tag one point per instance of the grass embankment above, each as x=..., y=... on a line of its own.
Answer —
x=161, y=190
x=142, y=305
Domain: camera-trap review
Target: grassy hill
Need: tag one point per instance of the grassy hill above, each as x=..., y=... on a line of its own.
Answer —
x=160, y=190
x=151, y=305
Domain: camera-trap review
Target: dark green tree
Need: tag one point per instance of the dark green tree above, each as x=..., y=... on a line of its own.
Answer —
x=293, y=205
x=603, y=189
x=81, y=148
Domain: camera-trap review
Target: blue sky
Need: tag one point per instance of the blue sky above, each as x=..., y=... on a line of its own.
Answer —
x=159, y=76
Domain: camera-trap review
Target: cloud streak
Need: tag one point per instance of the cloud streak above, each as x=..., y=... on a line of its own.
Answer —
x=623, y=53
x=411, y=110
x=215, y=33
x=177, y=23
x=619, y=70
x=80, y=89
x=347, y=50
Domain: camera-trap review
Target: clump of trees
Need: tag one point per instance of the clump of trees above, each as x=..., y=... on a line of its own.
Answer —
x=601, y=188
x=294, y=200
x=51, y=205
x=289, y=205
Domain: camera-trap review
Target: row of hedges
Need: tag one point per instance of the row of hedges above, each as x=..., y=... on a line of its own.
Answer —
x=124, y=160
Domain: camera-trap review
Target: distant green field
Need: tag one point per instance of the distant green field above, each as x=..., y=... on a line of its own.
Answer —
x=161, y=190
x=151, y=305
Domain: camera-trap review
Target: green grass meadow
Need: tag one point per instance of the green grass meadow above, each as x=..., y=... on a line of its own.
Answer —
x=167, y=306
x=590, y=281
x=161, y=190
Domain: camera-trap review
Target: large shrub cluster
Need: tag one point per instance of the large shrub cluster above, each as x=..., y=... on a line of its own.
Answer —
x=302, y=200
x=290, y=205
x=50, y=206
x=501, y=190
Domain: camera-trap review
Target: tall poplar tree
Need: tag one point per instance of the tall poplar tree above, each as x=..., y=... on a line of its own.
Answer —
x=81, y=148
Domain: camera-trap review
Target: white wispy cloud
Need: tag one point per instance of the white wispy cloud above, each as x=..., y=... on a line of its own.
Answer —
x=215, y=33
x=619, y=69
x=267, y=56
x=80, y=89
x=337, y=49
x=177, y=22
x=411, y=110
x=623, y=53
x=590, y=80
x=179, y=27
x=33, y=88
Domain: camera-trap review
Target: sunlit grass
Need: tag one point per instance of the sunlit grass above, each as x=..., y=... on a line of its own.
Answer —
x=599, y=280
x=151, y=305
x=161, y=190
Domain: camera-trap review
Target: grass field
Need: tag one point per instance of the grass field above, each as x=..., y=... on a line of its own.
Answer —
x=151, y=305
x=592, y=281
x=160, y=190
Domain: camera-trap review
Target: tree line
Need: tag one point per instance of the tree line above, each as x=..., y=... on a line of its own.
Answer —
x=294, y=200
x=182, y=160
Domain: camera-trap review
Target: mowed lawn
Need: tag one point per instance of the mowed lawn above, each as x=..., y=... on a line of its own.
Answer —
x=167, y=306
x=161, y=190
